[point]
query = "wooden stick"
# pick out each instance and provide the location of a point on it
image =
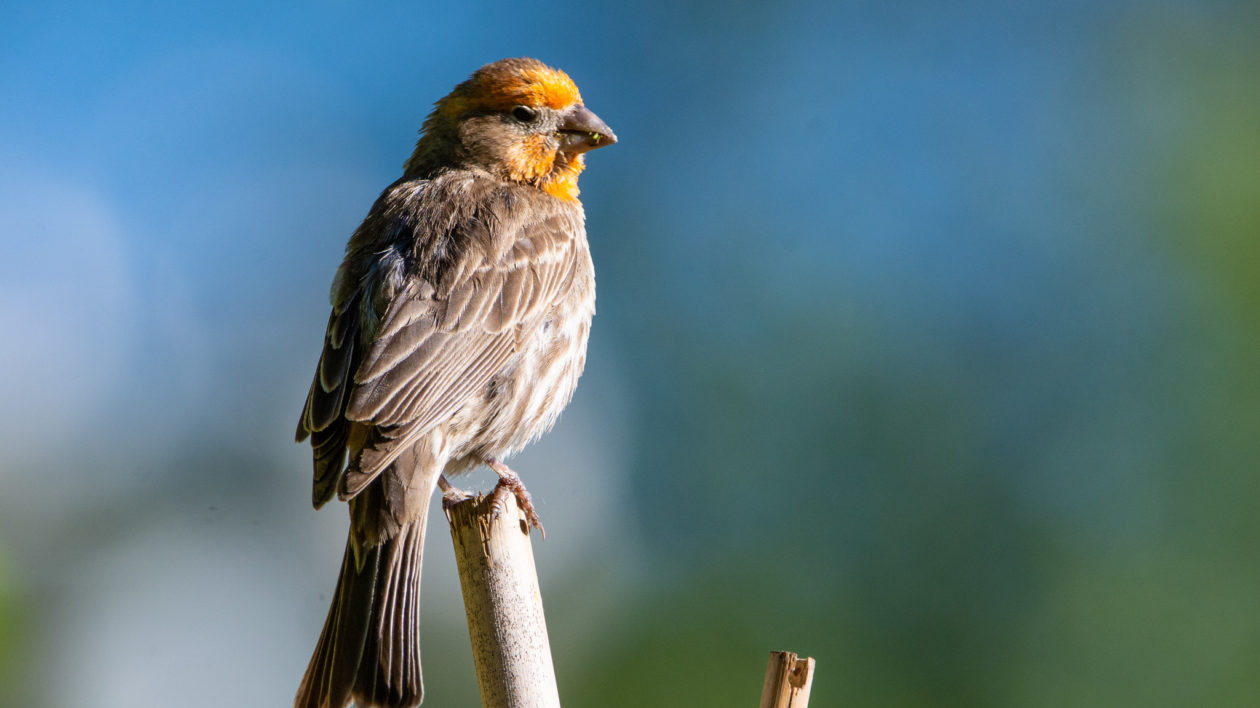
(788, 679)
(503, 604)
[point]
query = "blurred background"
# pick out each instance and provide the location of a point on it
(927, 345)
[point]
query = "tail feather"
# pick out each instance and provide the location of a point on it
(369, 650)
(390, 672)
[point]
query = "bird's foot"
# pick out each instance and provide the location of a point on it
(510, 483)
(451, 495)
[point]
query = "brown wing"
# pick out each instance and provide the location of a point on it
(322, 417)
(436, 347)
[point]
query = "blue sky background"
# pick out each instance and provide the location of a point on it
(926, 346)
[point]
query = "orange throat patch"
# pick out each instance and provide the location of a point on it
(534, 161)
(562, 180)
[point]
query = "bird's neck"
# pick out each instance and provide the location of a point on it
(554, 172)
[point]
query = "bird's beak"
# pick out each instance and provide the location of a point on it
(581, 130)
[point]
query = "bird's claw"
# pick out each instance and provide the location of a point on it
(451, 495)
(510, 483)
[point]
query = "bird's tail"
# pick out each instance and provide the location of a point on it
(369, 650)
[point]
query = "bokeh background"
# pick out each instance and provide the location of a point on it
(927, 345)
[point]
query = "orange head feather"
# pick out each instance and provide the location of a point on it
(499, 88)
(512, 82)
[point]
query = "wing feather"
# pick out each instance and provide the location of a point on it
(448, 327)
(322, 418)
(417, 374)
(325, 401)
(457, 303)
(409, 348)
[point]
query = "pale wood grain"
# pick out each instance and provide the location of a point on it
(788, 680)
(503, 604)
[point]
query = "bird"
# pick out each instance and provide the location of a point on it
(458, 331)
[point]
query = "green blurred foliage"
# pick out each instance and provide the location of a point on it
(824, 486)
(15, 633)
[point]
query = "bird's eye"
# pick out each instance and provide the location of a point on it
(525, 114)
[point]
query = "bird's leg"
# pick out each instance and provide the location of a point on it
(510, 482)
(450, 494)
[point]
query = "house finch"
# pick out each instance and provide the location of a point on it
(458, 332)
